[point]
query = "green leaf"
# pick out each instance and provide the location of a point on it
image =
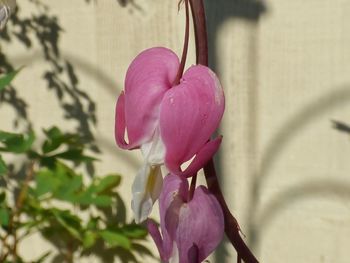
(75, 155)
(134, 231)
(6, 80)
(93, 223)
(2, 197)
(107, 183)
(89, 239)
(56, 138)
(4, 216)
(69, 187)
(16, 143)
(3, 168)
(90, 198)
(46, 182)
(102, 201)
(115, 239)
(69, 222)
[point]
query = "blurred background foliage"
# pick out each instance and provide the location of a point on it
(49, 186)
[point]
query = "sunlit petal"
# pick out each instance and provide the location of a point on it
(154, 150)
(196, 223)
(145, 191)
(190, 113)
(149, 76)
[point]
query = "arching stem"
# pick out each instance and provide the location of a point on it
(192, 187)
(232, 228)
(185, 47)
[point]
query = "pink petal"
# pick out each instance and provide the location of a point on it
(154, 232)
(201, 223)
(201, 158)
(174, 192)
(119, 130)
(149, 76)
(190, 113)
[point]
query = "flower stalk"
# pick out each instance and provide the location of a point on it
(232, 228)
(185, 47)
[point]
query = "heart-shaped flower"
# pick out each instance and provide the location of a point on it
(170, 123)
(190, 229)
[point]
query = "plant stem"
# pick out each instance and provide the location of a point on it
(185, 47)
(232, 228)
(14, 219)
(200, 31)
(192, 187)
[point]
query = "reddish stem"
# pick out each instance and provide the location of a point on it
(232, 228)
(185, 47)
(200, 31)
(192, 187)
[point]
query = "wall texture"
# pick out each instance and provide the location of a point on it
(285, 68)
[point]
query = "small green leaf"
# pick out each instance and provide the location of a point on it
(55, 138)
(69, 222)
(6, 80)
(90, 198)
(102, 201)
(107, 183)
(89, 239)
(3, 168)
(46, 182)
(93, 223)
(115, 239)
(69, 187)
(16, 143)
(75, 155)
(2, 197)
(4, 216)
(134, 231)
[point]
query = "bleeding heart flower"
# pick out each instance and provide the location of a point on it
(170, 123)
(190, 229)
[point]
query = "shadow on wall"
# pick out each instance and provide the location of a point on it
(218, 12)
(321, 105)
(42, 29)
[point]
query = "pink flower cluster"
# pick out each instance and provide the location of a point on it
(172, 124)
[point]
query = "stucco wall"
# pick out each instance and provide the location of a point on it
(285, 68)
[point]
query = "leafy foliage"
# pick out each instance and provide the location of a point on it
(78, 214)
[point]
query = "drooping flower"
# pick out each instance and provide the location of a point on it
(170, 123)
(190, 229)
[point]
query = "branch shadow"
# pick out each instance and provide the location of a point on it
(218, 12)
(298, 193)
(60, 76)
(279, 143)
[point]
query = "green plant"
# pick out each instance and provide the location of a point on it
(44, 193)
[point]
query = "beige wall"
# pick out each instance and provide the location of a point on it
(285, 68)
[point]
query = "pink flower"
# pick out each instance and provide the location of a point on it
(170, 123)
(190, 230)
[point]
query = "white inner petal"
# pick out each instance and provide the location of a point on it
(146, 190)
(174, 258)
(154, 151)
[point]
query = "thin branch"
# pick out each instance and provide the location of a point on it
(14, 219)
(185, 47)
(232, 228)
